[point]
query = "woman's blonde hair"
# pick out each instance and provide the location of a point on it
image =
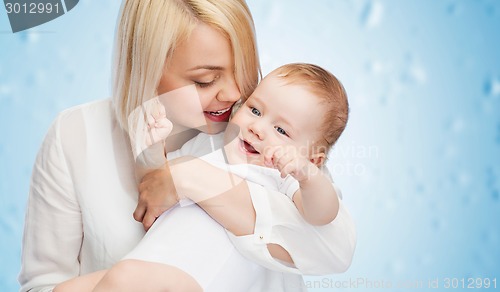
(149, 31)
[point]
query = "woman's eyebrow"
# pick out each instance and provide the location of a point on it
(207, 67)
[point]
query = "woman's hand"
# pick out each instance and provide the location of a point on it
(157, 194)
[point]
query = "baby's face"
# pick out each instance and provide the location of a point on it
(276, 114)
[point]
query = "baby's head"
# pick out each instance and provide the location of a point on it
(297, 104)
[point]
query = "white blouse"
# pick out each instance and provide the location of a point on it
(83, 193)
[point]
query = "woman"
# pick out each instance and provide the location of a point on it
(84, 189)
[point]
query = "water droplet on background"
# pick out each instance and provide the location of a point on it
(492, 181)
(33, 37)
(456, 125)
(420, 188)
(426, 260)
(495, 195)
(450, 151)
(454, 9)
(492, 87)
(397, 266)
(375, 67)
(490, 9)
(22, 36)
(498, 134)
(5, 89)
(414, 74)
(436, 224)
(372, 14)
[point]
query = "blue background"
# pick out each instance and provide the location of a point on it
(419, 163)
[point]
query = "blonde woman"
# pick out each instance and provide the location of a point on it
(84, 189)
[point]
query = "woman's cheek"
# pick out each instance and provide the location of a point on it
(207, 96)
(183, 107)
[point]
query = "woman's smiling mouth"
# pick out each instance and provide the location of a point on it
(219, 116)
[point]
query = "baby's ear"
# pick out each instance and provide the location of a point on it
(318, 159)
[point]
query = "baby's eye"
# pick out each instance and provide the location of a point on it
(281, 131)
(255, 111)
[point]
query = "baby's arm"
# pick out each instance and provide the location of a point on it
(246, 211)
(316, 198)
(212, 192)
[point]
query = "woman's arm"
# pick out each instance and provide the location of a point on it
(53, 226)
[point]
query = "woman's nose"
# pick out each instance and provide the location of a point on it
(229, 92)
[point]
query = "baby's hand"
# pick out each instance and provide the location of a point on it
(158, 126)
(148, 127)
(289, 161)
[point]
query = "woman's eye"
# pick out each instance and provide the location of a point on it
(204, 84)
(281, 131)
(201, 84)
(255, 111)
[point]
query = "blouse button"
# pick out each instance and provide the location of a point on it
(261, 237)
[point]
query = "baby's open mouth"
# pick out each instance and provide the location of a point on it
(249, 148)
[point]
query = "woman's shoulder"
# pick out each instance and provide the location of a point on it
(97, 107)
(98, 113)
(86, 119)
(85, 131)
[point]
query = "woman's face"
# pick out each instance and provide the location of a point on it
(198, 88)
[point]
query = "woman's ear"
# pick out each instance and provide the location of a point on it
(318, 159)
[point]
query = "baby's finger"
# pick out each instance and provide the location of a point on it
(280, 158)
(283, 159)
(288, 169)
(164, 125)
(150, 120)
(269, 153)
